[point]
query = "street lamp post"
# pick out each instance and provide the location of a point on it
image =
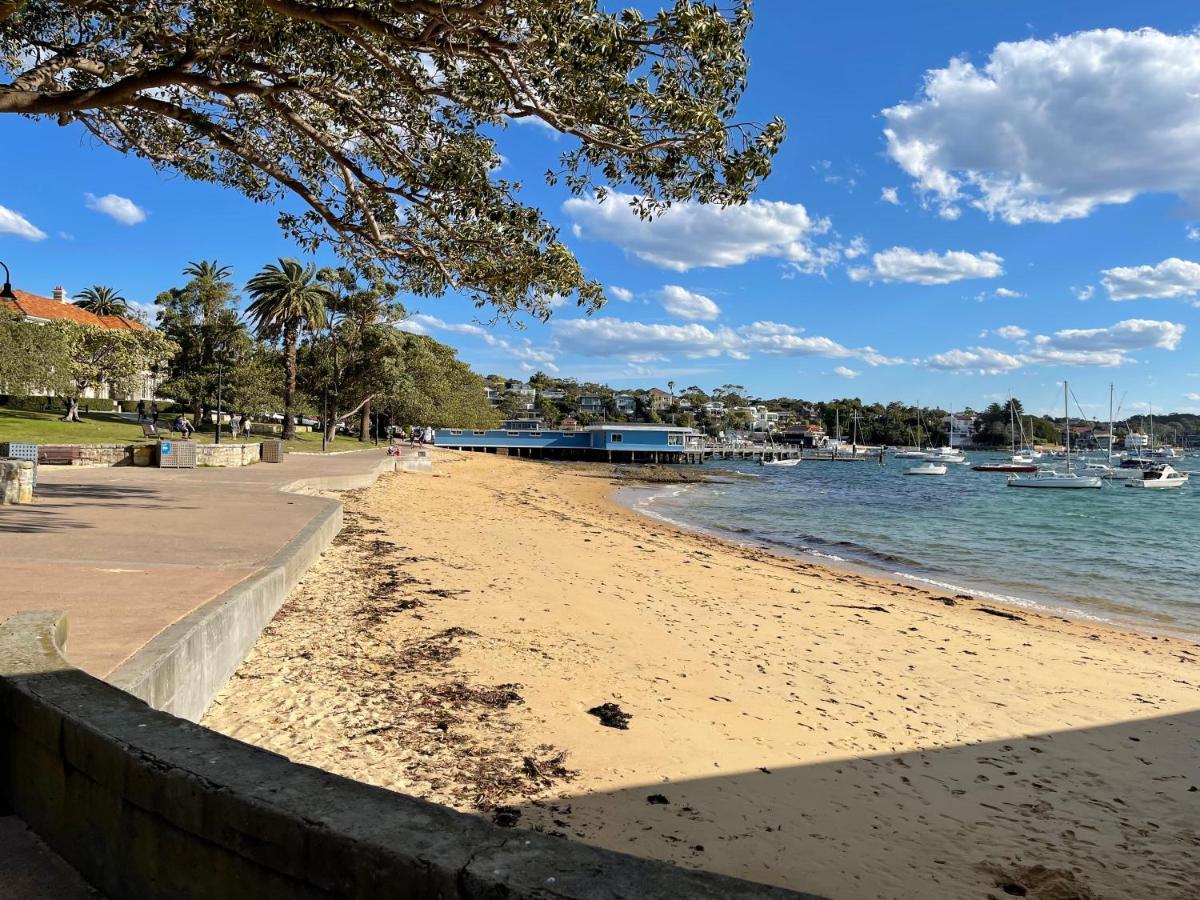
(219, 374)
(7, 292)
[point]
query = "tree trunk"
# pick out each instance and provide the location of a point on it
(291, 334)
(364, 421)
(72, 413)
(330, 425)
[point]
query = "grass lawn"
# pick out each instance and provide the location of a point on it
(25, 426)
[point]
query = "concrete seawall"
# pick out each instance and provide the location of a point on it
(181, 669)
(146, 805)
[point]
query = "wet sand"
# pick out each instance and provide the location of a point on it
(790, 723)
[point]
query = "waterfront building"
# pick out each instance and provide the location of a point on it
(624, 442)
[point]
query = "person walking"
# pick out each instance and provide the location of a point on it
(244, 422)
(233, 427)
(154, 413)
(141, 411)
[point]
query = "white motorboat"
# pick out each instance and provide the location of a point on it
(780, 462)
(1068, 480)
(926, 468)
(910, 454)
(1159, 477)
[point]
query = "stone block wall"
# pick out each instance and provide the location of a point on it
(228, 455)
(103, 455)
(16, 481)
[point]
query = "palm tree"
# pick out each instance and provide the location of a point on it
(208, 270)
(102, 301)
(287, 297)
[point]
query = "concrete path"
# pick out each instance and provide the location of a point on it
(128, 551)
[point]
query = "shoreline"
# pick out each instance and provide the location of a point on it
(791, 724)
(865, 570)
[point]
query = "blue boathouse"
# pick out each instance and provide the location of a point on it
(609, 443)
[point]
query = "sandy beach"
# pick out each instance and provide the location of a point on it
(788, 723)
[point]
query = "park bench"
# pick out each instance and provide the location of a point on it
(52, 455)
(149, 430)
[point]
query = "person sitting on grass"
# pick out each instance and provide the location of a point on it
(183, 426)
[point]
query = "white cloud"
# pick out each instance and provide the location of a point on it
(1130, 334)
(524, 350)
(1006, 293)
(122, 209)
(1011, 332)
(686, 304)
(1047, 130)
(930, 267)
(12, 222)
(695, 235)
(1106, 347)
(641, 342)
(1194, 397)
(856, 248)
(981, 360)
(623, 294)
(1193, 233)
(1084, 293)
(421, 323)
(889, 195)
(844, 372)
(1169, 279)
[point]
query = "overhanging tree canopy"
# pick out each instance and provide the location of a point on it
(375, 114)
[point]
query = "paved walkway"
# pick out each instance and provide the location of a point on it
(128, 551)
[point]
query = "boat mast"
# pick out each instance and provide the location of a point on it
(1012, 428)
(1067, 412)
(1110, 422)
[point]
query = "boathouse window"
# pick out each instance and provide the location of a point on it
(617, 437)
(535, 434)
(479, 433)
(514, 434)
(674, 440)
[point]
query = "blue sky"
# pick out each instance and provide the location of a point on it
(973, 199)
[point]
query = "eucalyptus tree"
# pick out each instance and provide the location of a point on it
(202, 318)
(381, 118)
(287, 298)
(101, 300)
(352, 360)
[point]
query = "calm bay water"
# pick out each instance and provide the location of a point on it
(1118, 555)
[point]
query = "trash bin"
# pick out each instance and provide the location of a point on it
(177, 454)
(14, 450)
(272, 451)
(143, 455)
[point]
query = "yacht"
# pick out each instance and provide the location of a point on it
(944, 455)
(926, 468)
(1061, 480)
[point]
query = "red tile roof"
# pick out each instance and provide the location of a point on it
(36, 307)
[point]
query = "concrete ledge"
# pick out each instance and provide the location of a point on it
(183, 667)
(146, 805)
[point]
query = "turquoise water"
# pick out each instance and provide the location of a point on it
(1117, 555)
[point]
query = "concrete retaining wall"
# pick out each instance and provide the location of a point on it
(16, 481)
(185, 665)
(149, 806)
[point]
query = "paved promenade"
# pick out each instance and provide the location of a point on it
(128, 551)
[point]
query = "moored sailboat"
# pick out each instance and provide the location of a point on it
(1061, 480)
